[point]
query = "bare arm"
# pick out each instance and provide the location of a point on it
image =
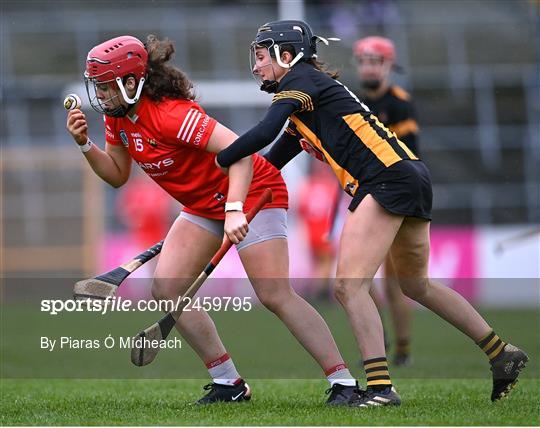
(112, 165)
(241, 172)
(240, 175)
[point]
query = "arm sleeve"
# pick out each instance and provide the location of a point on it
(284, 149)
(298, 90)
(111, 135)
(257, 137)
(188, 125)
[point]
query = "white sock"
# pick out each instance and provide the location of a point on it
(340, 374)
(223, 371)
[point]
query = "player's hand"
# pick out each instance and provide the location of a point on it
(77, 126)
(236, 226)
(223, 170)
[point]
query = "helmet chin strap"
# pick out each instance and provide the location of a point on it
(124, 93)
(283, 64)
(119, 111)
(269, 86)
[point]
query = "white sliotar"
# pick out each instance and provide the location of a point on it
(72, 101)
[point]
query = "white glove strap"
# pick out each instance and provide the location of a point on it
(87, 146)
(234, 206)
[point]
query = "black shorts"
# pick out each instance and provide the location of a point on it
(403, 189)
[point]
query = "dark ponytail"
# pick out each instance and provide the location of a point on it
(323, 67)
(319, 65)
(164, 80)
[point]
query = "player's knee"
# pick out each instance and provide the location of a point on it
(410, 265)
(274, 300)
(413, 281)
(157, 293)
(344, 288)
(161, 290)
(270, 303)
(415, 288)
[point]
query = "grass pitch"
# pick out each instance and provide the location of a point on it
(449, 383)
(275, 402)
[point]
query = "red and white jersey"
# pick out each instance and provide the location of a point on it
(168, 139)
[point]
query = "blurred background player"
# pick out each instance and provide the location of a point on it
(145, 209)
(375, 58)
(318, 201)
(147, 212)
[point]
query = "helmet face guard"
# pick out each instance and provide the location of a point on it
(113, 62)
(373, 70)
(105, 98)
(269, 85)
(272, 36)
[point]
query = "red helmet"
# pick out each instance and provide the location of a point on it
(375, 46)
(112, 61)
(117, 57)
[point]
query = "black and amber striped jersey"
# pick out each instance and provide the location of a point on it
(331, 122)
(396, 111)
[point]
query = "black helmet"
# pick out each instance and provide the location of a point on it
(295, 34)
(298, 34)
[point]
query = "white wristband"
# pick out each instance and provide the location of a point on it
(87, 146)
(234, 206)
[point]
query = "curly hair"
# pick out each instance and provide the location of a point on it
(164, 80)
